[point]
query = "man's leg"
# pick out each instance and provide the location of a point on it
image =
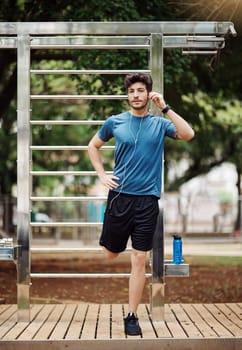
(137, 279)
(110, 255)
(136, 286)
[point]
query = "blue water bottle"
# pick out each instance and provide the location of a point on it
(177, 250)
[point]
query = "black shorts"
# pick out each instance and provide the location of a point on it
(129, 216)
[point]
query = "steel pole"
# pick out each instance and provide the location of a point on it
(23, 160)
(157, 284)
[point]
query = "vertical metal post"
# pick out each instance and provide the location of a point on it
(158, 283)
(23, 193)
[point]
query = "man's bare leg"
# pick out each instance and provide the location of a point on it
(137, 279)
(110, 255)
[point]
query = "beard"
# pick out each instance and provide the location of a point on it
(140, 107)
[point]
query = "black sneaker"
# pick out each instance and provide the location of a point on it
(131, 325)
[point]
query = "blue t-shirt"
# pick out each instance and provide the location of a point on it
(139, 144)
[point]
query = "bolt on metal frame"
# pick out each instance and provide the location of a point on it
(192, 37)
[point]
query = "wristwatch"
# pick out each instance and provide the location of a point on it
(166, 109)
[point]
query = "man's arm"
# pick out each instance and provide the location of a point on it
(95, 156)
(183, 130)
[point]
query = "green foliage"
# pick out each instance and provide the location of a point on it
(81, 10)
(207, 95)
(214, 260)
(217, 122)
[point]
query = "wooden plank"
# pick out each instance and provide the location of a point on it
(145, 323)
(3, 307)
(161, 329)
(11, 320)
(230, 314)
(117, 324)
(224, 320)
(50, 323)
(95, 323)
(89, 327)
(19, 327)
(36, 324)
(7, 312)
(185, 322)
(198, 321)
(207, 315)
(236, 309)
(76, 325)
(63, 324)
(104, 322)
(139, 344)
(173, 325)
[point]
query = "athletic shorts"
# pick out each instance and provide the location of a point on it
(129, 216)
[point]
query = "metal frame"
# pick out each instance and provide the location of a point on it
(23, 180)
(117, 28)
(194, 37)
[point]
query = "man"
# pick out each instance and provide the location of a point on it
(135, 186)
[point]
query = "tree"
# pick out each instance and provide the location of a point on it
(219, 109)
(61, 10)
(185, 73)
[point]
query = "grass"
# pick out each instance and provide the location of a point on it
(214, 260)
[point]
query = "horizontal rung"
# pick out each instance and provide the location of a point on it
(167, 44)
(78, 97)
(205, 39)
(182, 41)
(67, 250)
(206, 44)
(90, 47)
(66, 173)
(63, 250)
(66, 224)
(82, 275)
(90, 40)
(66, 122)
(174, 41)
(199, 52)
(125, 42)
(8, 43)
(181, 270)
(68, 198)
(86, 71)
(62, 148)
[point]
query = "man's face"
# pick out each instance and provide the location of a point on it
(137, 96)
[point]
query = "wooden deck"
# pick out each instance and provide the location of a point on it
(93, 326)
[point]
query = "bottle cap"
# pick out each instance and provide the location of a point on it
(177, 237)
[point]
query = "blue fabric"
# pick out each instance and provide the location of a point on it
(139, 144)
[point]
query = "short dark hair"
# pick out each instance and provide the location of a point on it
(144, 78)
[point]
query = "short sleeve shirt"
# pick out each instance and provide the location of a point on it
(138, 155)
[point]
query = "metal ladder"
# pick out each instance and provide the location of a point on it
(192, 37)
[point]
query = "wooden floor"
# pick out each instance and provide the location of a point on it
(93, 326)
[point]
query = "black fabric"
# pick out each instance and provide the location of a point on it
(129, 216)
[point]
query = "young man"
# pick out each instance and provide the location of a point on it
(135, 186)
